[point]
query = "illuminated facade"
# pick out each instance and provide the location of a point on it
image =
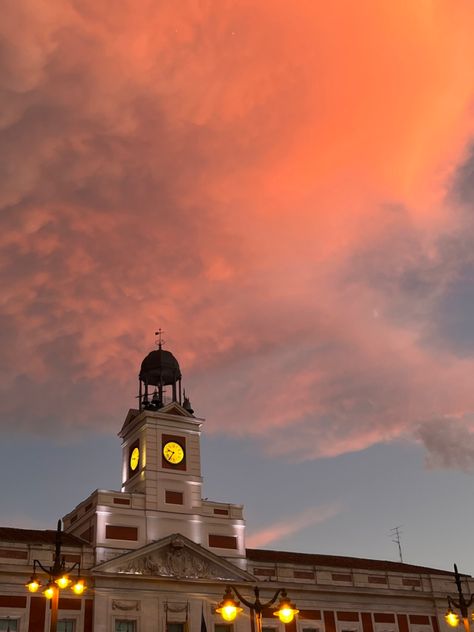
(157, 556)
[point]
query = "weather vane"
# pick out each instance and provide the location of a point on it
(159, 341)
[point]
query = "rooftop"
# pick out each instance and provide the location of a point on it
(37, 536)
(315, 559)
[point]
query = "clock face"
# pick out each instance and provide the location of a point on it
(134, 459)
(173, 452)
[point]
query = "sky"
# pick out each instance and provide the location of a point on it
(287, 190)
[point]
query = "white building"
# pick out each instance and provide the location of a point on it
(157, 556)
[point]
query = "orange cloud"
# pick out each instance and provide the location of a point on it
(270, 184)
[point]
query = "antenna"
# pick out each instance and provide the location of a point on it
(159, 341)
(395, 534)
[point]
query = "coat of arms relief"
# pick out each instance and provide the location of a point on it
(176, 561)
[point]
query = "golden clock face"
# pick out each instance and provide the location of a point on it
(173, 452)
(134, 459)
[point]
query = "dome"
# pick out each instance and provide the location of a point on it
(160, 367)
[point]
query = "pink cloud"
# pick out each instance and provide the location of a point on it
(284, 528)
(258, 181)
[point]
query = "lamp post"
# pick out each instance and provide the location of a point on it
(461, 603)
(229, 607)
(58, 578)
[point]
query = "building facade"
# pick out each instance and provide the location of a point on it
(157, 556)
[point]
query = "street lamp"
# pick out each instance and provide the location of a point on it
(58, 578)
(462, 603)
(229, 607)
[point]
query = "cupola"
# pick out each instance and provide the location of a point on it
(159, 371)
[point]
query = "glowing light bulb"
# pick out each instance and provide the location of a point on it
(286, 610)
(228, 608)
(451, 618)
(33, 584)
(49, 591)
(286, 615)
(228, 612)
(79, 587)
(63, 581)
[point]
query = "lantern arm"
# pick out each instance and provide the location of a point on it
(46, 570)
(62, 570)
(74, 566)
(257, 605)
(452, 603)
(246, 602)
(57, 569)
(463, 605)
(273, 599)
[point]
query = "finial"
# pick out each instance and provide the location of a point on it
(187, 404)
(160, 340)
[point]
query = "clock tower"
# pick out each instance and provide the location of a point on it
(161, 440)
(161, 490)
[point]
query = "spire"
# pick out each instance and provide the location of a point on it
(160, 340)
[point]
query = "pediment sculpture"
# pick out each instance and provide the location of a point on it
(175, 561)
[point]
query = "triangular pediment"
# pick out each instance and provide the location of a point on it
(173, 408)
(132, 413)
(174, 557)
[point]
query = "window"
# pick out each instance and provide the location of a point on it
(267, 628)
(8, 625)
(173, 498)
(303, 574)
(114, 532)
(125, 625)
(309, 629)
(66, 625)
(222, 627)
(175, 627)
(223, 541)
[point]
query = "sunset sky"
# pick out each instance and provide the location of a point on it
(287, 189)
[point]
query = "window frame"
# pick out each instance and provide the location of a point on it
(304, 627)
(349, 626)
(125, 618)
(66, 615)
(69, 619)
(17, 614)
(9, 619)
